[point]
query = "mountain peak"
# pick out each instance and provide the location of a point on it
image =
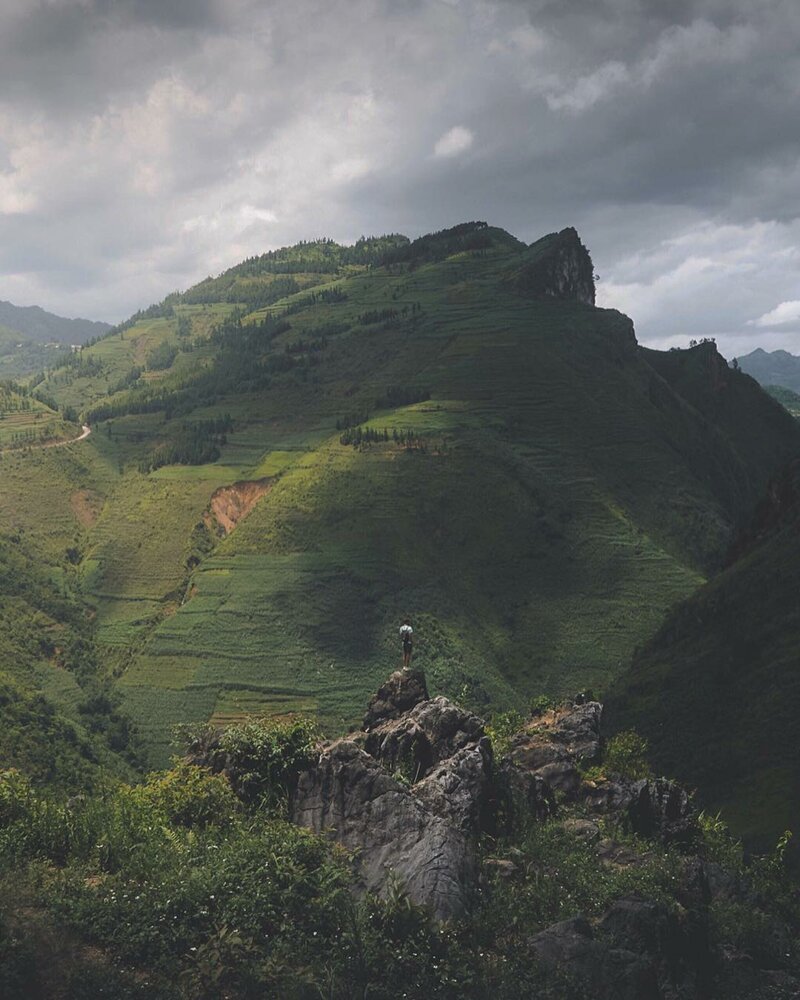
(556, 266)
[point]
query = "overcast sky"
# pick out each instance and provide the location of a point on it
(147, 143)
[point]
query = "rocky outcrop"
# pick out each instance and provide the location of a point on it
(461, 789)
(397, 695)
(554, 744)
(556, 266)
(656, 808)
(410, 794)
(392, 832)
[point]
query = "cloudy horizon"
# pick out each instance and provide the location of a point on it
(147, 143)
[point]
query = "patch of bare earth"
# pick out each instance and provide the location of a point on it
(230, 504)
(86, 506)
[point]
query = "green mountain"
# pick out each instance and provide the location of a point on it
(786, 397)
(289, 458)
(716, 691)
(36, 324)
(773, 368)
(20, 357)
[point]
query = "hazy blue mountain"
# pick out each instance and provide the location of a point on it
(773, 368)
(35, 323)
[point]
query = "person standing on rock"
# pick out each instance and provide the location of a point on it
(407, 636)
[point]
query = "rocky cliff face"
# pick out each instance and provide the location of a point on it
(411, 793)
(557, 266)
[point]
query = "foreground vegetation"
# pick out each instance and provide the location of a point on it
(181, 888)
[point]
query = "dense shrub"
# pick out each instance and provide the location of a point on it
(262, 757)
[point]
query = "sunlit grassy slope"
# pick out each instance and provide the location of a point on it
(543, 492)
(26, 421)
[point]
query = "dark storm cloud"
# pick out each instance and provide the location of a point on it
(145, 143)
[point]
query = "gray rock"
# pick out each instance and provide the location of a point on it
(447, 726)
(652, 807)
(398, 694)
(607, 796)
(428, 733)
(578, 730)
(555, 743)
(524, 795)
(392, 830)
(661, 809)
(401, 745)
(461, 790)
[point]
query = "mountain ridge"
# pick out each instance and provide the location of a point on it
(36, 324)
(778, 368)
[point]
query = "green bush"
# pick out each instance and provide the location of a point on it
(189, 796)
(15, 796)
(502, 728)
(626, 756)
(262, 757)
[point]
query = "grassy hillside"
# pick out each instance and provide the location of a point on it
(717, 692)
(58, 720)
(787, 398)
(445, 429)
(20, 357)
(26, 421)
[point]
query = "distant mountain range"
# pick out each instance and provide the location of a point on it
(36, 324)
(773, 368)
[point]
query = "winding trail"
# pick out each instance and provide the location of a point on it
(86, 430)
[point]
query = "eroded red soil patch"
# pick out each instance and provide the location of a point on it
(230, 504)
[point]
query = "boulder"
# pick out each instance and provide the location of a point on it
(397, 695)
(570, 948)
(392, 831)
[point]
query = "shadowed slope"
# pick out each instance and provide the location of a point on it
(717, 691)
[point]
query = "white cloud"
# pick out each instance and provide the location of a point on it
(703, 281)
(782, 315)
(456, 140)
